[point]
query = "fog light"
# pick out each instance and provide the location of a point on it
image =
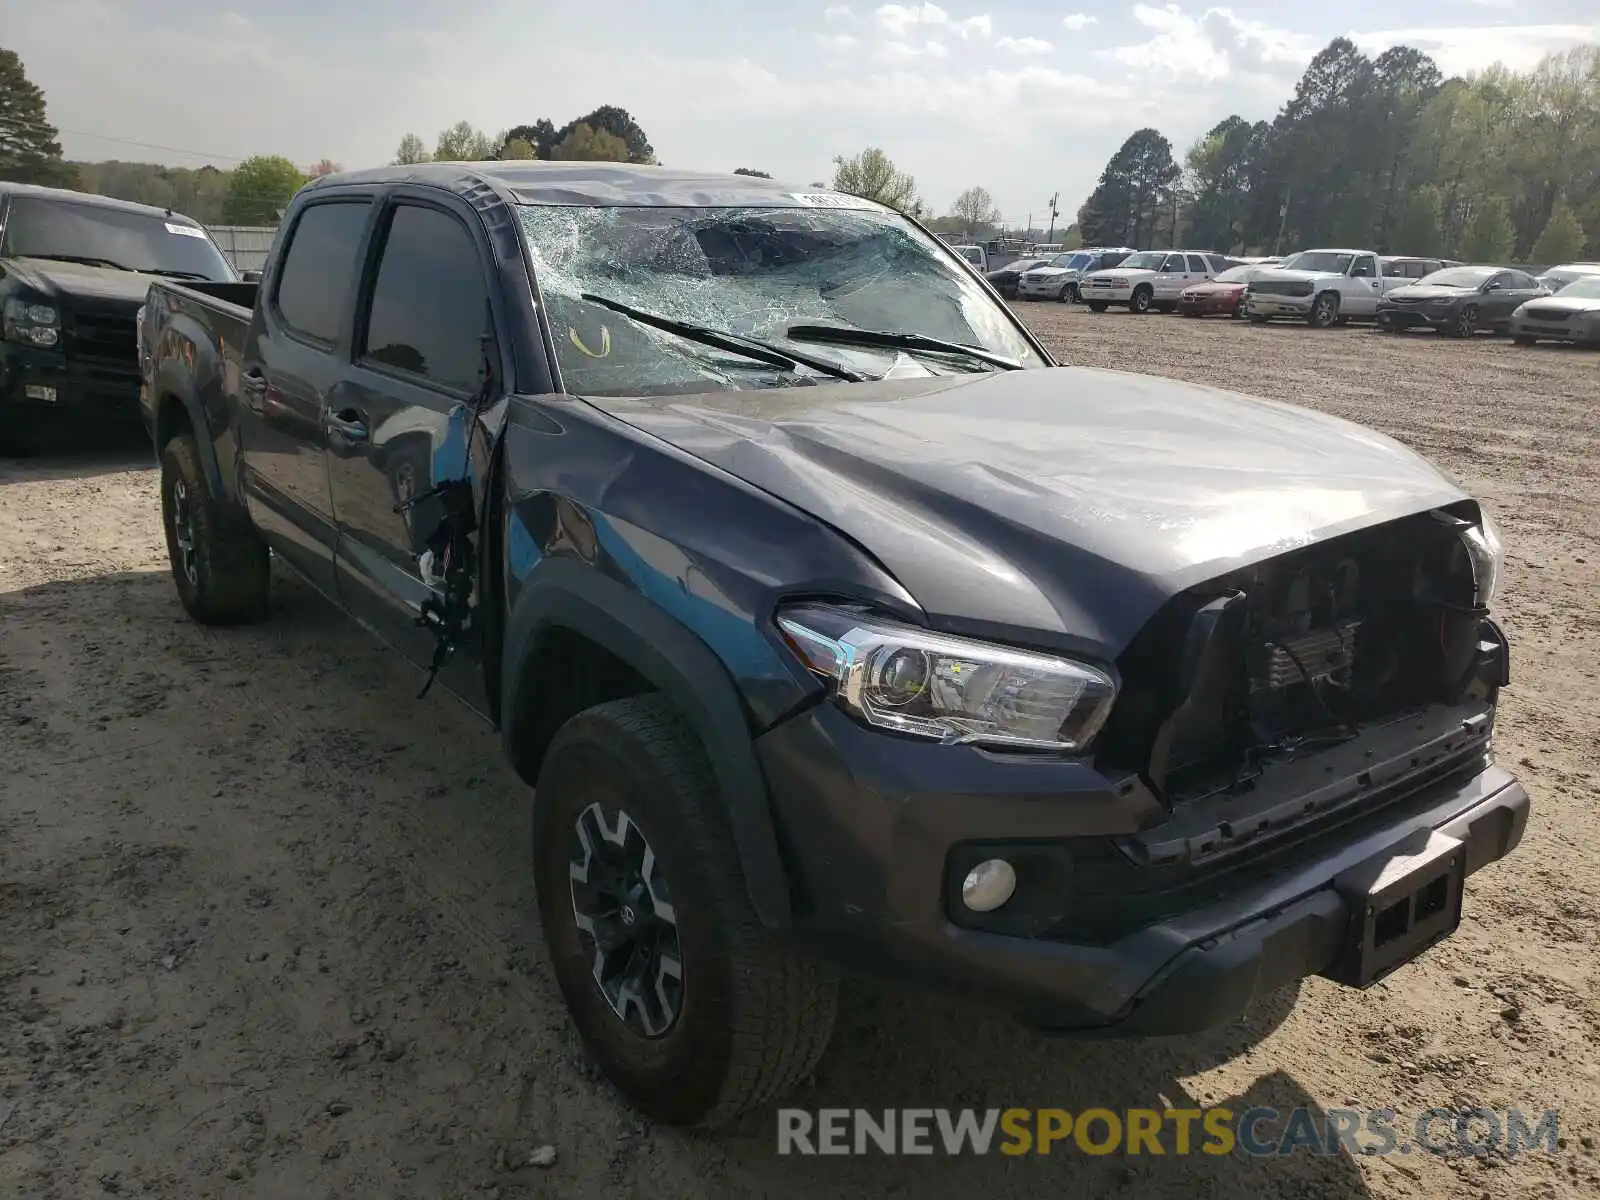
(37, 391)
(988, 885)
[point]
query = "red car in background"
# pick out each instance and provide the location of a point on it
(1220, 295)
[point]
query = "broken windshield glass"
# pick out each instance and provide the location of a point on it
(753, 273)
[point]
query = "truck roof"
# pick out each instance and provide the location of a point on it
(66, 194)
(536, 181)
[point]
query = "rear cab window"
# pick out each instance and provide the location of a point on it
(319, 267)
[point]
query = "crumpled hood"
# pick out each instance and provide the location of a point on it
(1044, 272)
(1066, 504)
(70, 281)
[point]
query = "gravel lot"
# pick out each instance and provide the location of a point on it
(266, 918)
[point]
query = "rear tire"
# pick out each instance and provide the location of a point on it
(1522, 339)
(219, 562)
(1097, 306)
(749, 1018)
(1256, 319)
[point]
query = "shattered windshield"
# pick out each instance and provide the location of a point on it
(753, 273)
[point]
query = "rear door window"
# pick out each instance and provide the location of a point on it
(1197, 264)
(319, 268)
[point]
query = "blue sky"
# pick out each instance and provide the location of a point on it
(1024, 97)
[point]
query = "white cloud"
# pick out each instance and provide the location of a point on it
(1026, 47)
(1459, 50)
(1077, 22)
(906, 52)
(1212, 47)
(981, 26)
(839, 14)
(839, 43)
(897, 20)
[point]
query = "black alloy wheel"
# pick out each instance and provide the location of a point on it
(624, 915)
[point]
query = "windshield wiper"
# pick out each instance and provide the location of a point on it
(839, 335)
(734, 343)
(163, 271)
(79, 258)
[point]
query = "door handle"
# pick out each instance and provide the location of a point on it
(347, 431)
(253, 387)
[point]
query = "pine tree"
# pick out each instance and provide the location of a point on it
(1562, 239)
(29, 152)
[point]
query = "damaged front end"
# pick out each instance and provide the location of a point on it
(1316, 680)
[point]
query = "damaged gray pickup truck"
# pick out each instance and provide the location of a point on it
(836, 627)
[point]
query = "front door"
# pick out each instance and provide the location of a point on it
(400, 422)
(1366, 287)
(294, 358)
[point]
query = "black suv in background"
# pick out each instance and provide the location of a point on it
(74, 269)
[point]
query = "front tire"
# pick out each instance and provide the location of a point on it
(1142, 298)
(1069, 294)
(219, 562)
(1256, 318)
(1097, 306)
(1466, 322)
(1324, 311)
(1522, 339)
(627, 801)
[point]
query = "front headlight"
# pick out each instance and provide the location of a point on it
(1117, 281)
(1487, 554)
(35, 324)
(949, 689)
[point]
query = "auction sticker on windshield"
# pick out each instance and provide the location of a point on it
(831, 200)
(185, 230)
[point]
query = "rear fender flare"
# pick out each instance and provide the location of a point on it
(565, 593)
(174, 381)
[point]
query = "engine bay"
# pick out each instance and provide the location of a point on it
(1277, 660)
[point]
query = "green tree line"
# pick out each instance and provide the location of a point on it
(1382, 153)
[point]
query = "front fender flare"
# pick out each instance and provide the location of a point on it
(174, 380)
(565, 593)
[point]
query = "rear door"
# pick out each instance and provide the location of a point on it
(294, 358)
(400, 421)
(1515, 289)
(1172, 278)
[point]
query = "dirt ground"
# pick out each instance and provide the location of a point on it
(265, 919)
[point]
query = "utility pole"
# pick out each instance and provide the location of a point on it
(1283, 219)
(1051, 236)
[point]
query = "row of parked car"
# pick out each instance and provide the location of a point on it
(1323, 288)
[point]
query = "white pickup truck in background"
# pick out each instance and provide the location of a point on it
(1321, 288)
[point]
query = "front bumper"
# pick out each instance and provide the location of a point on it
(1042, 289)
(41, 382)
(1100, 293)
(878, 833)
(1298, 307)
(1417, 318)
(1577, 332)
(1201, 306)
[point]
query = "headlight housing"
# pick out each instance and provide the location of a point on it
(31, 323)
(1487, 554)
(949, 689)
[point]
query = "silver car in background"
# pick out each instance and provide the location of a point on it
(1571, 315)
(1059, 279)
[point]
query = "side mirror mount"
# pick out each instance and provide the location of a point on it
(250, 276)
